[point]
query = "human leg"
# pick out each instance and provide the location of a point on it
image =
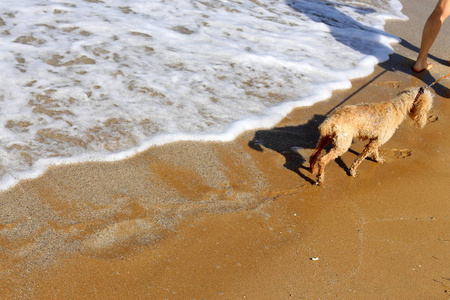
(430, 32)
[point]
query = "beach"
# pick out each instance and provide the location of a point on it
(243, 219)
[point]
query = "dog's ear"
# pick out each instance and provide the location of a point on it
(420, 109)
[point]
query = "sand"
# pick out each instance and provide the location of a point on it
(243, 219)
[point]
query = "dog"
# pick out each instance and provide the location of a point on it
(375, 122)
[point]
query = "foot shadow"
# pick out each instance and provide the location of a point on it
(288, 141)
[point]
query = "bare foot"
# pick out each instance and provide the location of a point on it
(419, 67)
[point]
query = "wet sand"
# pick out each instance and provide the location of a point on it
(244, 220)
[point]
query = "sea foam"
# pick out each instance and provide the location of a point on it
(103, 80)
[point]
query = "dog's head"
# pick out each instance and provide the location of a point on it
(418, 106)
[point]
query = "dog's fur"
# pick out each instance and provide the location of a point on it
(375, 122)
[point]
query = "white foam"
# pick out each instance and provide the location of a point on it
(103, 80)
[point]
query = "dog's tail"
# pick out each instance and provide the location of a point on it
(324, 140)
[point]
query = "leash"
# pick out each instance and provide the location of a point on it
(422, 89)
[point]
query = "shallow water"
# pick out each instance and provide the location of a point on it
(102, 80)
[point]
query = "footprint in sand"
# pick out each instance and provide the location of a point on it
(433, 118)
(393, 84)
(397, 153)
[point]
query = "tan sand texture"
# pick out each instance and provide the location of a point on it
(244, 220)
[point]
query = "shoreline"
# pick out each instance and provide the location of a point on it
(243, 219)
(270, 118)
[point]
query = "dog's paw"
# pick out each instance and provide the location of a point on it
(319, 180)
(380, 160)
(352, 172)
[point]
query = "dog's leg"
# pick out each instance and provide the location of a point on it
(370, 149)
(340, 146)
(375, 155)
(324, 140)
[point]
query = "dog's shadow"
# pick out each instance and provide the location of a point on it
(289, 141)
